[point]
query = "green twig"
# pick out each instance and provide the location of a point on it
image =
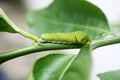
(17, 29)
(104, 42)
(44, 47)
(35, 48)
(30, 36)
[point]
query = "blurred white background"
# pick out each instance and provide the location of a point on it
(104, 59)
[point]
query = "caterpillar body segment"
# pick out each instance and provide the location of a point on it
(78, 37)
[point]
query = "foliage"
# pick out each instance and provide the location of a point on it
(69, 16)
(62, 16)
(112, 75)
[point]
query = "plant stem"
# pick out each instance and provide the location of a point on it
(27, 35)
(35, 48)
(17, 29)
(105, 42)
(44, 47)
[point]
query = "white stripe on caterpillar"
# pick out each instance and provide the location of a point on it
(78, 37)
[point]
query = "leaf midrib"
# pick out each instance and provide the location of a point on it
(62, 74)
(78, 25)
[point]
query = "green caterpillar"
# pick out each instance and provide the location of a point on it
(78, 37)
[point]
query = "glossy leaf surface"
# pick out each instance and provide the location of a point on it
(50, 67)
(81, 67)
(63, 66)
(69, 16)
(112, 75)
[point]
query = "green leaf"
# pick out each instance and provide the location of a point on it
(63, 66)
(50, 67)
(81, 67)
(116, 29)
(6, 25)
(69, 16)
(112, 75)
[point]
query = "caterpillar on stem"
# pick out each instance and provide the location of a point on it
(78, 37)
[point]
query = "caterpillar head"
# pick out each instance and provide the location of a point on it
(82, 38)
